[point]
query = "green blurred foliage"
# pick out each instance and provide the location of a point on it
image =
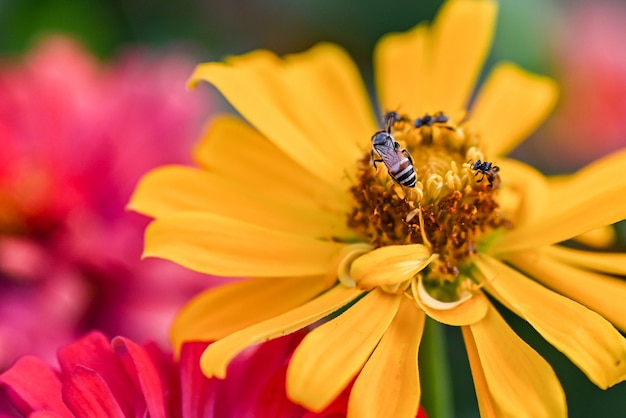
(219, 28)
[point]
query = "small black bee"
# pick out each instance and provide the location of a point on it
(428, 120)
(398, 161)
(392, 117)
(487, 170)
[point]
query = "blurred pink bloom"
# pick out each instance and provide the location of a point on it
(75, 135)
(98, 378)
(591, 66)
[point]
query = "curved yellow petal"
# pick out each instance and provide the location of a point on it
(289, 101)
(390, 265)
(606, 173)
(388, 385)
(170, 189)
(510, 106)
(218, 312)
(402, 71)
(593, 198)
(216, 357)
(219, 245)
(331, 355)
(344, 261)
(486, 404)
(430, 69)
(466, 312)
(602, 237)
(511, 379)
(601, 293)
(524, 191)
(230, 147)
(461, 38)
(338, 111)
(611, 263)
(257, 93)
(590, 341)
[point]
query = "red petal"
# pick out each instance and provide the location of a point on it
(169, 371)
(34, 386)
(198, 392)
(421, 413)
(337, 409)
(273, 401)
(143, 373)
(251, 371)
(87, 394)
(94, 352)
(39, 414)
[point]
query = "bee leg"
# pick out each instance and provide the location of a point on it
(408, 155)
(374, 160)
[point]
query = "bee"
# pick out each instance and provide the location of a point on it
(488, 170)
(428, 120)
(398, 161)
(391, 118)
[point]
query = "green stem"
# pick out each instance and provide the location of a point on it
(435, 379)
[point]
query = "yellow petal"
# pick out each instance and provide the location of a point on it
(510, 106)
(259, 103)
(331, 355)
(172, 189)
(338, 110)
(467, 311)
(601, 293)
(524, 192)
(269, 93)
(612, 263)
(592, 198)
(233, 149)
(390, 265)
(218, 312)
(344, 260)
(606, 173)
(434, 69)
(402, 72)
(511, 379)
(388, 385)
(590, 341)
(216, 357)
(461, 38)
(602, 237)
(219, 245)
(486, 405)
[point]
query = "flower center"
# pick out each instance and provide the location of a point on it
(449, 204)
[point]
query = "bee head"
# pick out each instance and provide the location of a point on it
(382, 138)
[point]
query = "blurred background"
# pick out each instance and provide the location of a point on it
(143, 50)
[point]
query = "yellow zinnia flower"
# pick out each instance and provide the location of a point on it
(293, 200)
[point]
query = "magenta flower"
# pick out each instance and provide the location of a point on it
(76, 135)
(589, 121)
(98, 378)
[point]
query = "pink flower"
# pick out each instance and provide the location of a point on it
(589, 121)
(75, 137)
(123, 379)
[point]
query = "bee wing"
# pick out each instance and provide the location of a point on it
(390, 157)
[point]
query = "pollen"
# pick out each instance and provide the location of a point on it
(452, 207)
